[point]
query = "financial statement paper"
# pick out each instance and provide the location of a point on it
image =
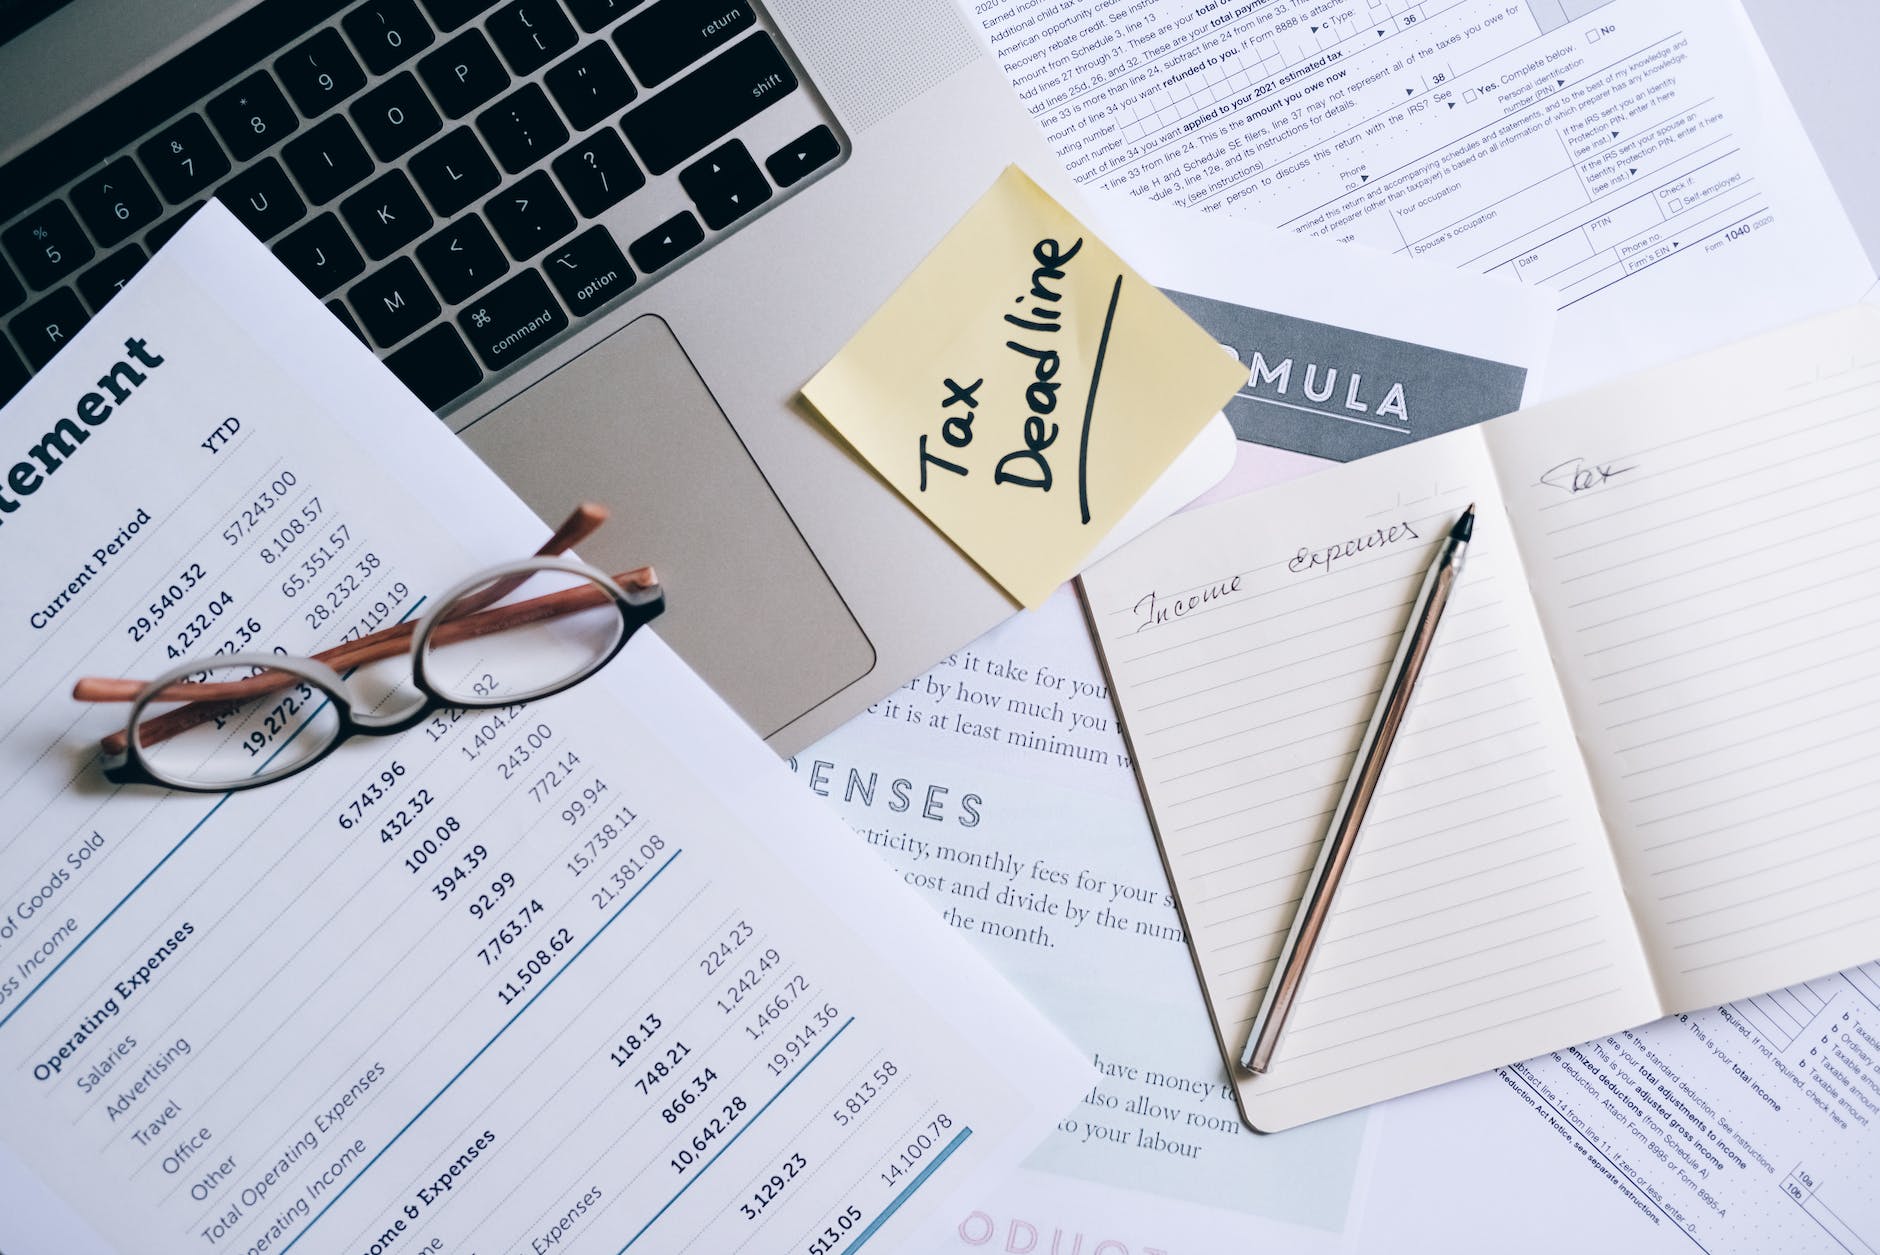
(587, 974)
(1638, 160)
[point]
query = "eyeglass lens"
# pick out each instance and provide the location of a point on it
(528, 658)
(229, 743)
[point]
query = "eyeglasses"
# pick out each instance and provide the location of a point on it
(511, 634)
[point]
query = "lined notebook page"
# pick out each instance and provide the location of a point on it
(1703, 547)
(1481, 919)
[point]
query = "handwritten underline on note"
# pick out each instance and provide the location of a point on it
(1090, 404)
(1306, 409)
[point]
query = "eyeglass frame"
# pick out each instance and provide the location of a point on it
(635, 594)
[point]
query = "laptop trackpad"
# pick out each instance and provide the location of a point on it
(630, 424)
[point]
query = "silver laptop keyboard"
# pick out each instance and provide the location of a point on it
(463, 182)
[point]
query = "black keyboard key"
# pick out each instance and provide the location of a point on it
(13, 372)
(320, 73)
(104, 280)
(183, 158)
(666, 243)
(522, 128)
(339, 311)
(450, 14)
(385, 214)
(529, 215)
(462, 260)
(531, 33)
(252, 115)
(234, 48)
(161, 233)
(804, 155)
(674, 33)
(321, 255)
(463, 74)
(395, 117)
(725, 184)
(12, 292)
(393, 303)
(598, 173)
(263, 199)
(709, 103)
(47, 245)
(454, 171)
(595, 14)
(43, 327)
(436, 366)
(115, 202)
(386, 32)
(512, 319)
(327, 160)
(590, 86)
(588, 271)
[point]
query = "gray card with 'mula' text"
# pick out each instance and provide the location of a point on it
(1335, 393)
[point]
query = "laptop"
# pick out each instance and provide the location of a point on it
(606, 240)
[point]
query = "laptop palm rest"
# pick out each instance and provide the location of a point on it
(630, 424)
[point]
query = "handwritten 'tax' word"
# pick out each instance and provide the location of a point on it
(1027, 467)
(1578, 476)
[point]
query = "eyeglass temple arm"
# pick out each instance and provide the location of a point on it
(583, 521)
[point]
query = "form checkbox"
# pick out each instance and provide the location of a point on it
(1592, 36)
(1468, 97)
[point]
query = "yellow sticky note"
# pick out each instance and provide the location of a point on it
(1024, 387)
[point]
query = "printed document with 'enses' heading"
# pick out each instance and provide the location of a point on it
(587, 974)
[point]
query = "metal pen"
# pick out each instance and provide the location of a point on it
(1392, 703)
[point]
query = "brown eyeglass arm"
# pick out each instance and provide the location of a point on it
(581, 523)
(208, 701)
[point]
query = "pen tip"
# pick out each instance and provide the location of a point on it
(1465, 526)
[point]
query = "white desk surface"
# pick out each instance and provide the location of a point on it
(1823, 49)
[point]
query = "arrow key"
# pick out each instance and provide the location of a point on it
(725, 184)
(801, 156)
(462, 259)
(665, 243)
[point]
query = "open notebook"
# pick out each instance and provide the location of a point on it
(1639, 774)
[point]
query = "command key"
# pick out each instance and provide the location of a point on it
(512, 319)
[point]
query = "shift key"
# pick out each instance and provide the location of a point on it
(706, 105)
(511, 319)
